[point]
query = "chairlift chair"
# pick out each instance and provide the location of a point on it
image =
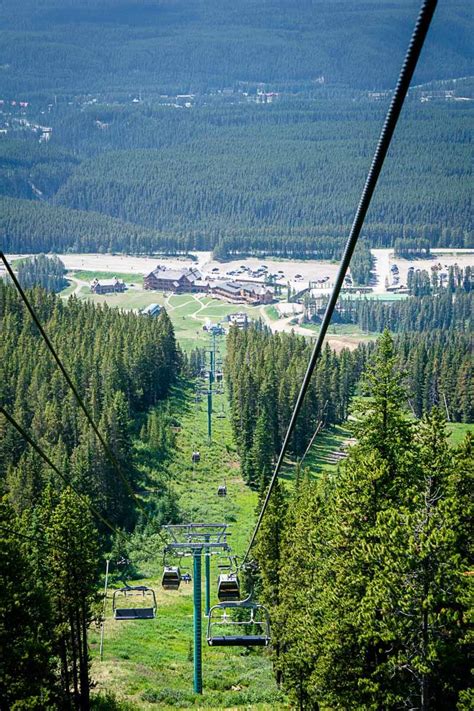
(171, 577)
(134, 593)
(225, 631)
(228, 587)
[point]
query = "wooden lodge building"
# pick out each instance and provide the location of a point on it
(107, 286)
(179, 281)
(243, 292)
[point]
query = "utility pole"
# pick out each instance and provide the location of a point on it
(197, 648)
(208, 577)
(102, 629)
(209, 395)
(209, 415)
(194, 538)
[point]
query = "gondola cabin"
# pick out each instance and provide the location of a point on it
(137, 602)
(228, 587)
(196, 457)
(222, 490)
(171, 578)
(238, 624)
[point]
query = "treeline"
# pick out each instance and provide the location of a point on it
(361, 264)
(280, 176)
(47, 602)
(417, 313)
(52, 528)
(122, 364)
(437, 369)
(421, 283)
(366, 572)
(244, 179)
(187, 46)
(27, 226)
(47, 272)
(264, 372)
(412, 248)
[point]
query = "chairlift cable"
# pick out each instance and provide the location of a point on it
(111, 456)
(51, 464)
(33, 539)
(406, 73)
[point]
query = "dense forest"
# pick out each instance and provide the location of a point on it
(41, 270)
(436, 368)
(242, 127)
(282, 179)
(366, 572)
(433, 304)
(122, 364)
(164, 46)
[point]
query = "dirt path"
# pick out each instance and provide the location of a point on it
(201, 307)
(79, 284)
(284, 325)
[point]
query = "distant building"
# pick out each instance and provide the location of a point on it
(243, 292)
(107, 286)
(239, 319)
(151, 310)
(180, 281)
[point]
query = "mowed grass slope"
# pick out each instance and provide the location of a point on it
(148, 663)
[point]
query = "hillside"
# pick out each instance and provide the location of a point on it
(190, 45)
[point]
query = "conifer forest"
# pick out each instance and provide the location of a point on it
(248, 487)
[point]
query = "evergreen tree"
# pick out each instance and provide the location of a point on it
(72, 586)
(26, 655)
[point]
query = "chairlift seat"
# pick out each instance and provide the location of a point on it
(171, 578)
(259, 617)
(134, 613)
(249, 640)
(228, 588)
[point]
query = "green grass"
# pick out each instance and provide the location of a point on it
(90, 276)
(342, 329)
(146, 663)
(188, 312)
(327, 441)
(272, 312)
(458, 430)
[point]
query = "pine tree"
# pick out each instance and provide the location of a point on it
(268, 551)
(26, 658)
(73, 560)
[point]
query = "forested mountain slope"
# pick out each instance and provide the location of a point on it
(122, 365)
(160, 45)
(283, 178)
